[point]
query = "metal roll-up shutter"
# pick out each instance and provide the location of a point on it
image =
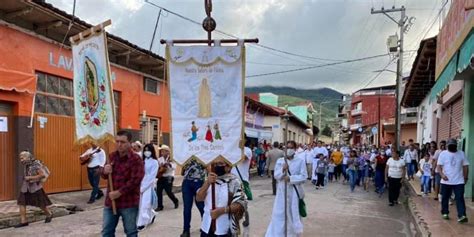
(443, 125)
(455, 123)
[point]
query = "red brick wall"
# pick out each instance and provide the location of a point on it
(370, 108)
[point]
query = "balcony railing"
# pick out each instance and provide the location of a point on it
(355, 126)
(356, 112)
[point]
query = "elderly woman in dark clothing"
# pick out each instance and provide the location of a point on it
(32, 193)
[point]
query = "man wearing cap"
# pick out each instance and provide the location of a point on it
(454, 171)
(165, 177)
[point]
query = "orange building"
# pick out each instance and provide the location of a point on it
(36, 100)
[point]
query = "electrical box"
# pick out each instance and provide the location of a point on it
(392, 43)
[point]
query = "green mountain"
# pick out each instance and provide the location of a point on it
(291, 96)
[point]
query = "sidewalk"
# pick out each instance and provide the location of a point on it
(63, 204)
(426, 212)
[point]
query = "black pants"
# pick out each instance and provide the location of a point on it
(274, 182)
(165, 183)
(320, 180)
(394, 186)
(337, 172)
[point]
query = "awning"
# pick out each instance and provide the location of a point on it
(19, 81)
(445, 78)
(466, 53)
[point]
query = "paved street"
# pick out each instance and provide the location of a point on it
(333, 211)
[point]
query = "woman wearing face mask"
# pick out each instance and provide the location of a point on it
(380, 163)
(230, 201)
(32, 193)
(293, 174)
(148, 197)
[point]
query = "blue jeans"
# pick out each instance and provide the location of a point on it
(344, 173)
(352, 178)
(261, 166)
(425, 182)
(446, 191)
(189, 189)
(129, 219)
(411, 169)
(94, 178)
(379, 180)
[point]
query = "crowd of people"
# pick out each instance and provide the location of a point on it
(139, 175)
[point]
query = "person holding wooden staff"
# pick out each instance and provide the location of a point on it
(127, 171)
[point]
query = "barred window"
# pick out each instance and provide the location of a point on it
(151, 85)
(54, 95)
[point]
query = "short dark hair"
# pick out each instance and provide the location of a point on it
(293, 143)
(276, 144)
(410, 140)
(126, 134)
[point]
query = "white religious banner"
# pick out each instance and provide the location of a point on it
(93, 97)
(206, 93)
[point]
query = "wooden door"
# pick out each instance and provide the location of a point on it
(7, 152)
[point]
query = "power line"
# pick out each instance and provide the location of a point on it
(317, 66)
(235, 37)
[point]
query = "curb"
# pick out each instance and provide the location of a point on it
(420, 223)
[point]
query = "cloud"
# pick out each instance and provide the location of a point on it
(331, 29)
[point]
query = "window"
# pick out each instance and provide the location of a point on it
(150, 130)
(358, 120)
(151, 85)
(54, 95)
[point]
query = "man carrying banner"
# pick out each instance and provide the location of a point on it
(127, 171)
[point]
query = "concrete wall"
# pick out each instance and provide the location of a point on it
(408, 132)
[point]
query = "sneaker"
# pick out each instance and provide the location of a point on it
(463, 219)
(140, 228)
(185, 234)
(445, 216)
(391, 204)
(90, 201)
(322, 187)
(48, 219)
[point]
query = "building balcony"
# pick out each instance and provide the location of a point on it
(355, 126)
(356, 112)
(404, 119)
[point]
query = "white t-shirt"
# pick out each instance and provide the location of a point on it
(453, 164)
(97, 159)
(309, 157)
(426, 167)
(409, 156)
(344, 160)
(244, 165)
(320, 150)
(395, 168)
(170, 172)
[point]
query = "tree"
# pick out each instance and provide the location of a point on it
(327, 131)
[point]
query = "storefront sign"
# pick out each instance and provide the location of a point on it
(457, 25)
(60, 62)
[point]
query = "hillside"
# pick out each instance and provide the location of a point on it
(288, 95)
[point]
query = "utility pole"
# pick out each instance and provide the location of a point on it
(401, 25)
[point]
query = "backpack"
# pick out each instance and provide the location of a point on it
(46, 172)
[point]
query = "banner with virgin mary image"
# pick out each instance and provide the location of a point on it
(93, 97)
(206, 90)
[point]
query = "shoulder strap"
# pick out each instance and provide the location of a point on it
(240, 175)
(294, 186)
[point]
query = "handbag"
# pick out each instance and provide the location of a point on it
(301, 203)
(246, 185)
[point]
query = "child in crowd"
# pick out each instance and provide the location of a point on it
(321, 171)
(426, 168)
(331, 169)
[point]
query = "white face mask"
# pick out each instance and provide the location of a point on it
(147, 153)
(290, 152)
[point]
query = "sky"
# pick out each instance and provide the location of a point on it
(320, 31)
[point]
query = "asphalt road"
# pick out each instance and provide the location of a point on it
(333, 211)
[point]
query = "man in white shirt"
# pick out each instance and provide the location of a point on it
(166, 174)
(410, 157)
(309, 161)
(94, 157)
(454, 171)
